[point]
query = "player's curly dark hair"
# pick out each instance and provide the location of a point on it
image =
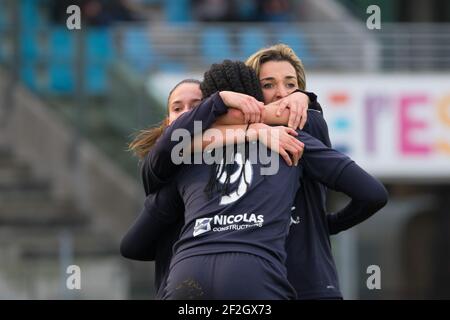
(229, 76)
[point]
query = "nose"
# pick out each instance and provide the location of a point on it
(281, 92)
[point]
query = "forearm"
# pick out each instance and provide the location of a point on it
(161, 210)
(139, 243)
(221, 135)
(367, 194)
(236, 117)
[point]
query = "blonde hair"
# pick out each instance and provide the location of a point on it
(278, 52)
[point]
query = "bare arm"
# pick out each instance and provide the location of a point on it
(236, 117)
(279, 139)
(290, 110)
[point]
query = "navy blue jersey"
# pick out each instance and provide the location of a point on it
(310, 263)
(222, 224)
(248, 219)
(253, 218)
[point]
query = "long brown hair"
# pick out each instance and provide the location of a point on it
(145, 139)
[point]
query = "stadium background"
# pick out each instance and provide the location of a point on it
(70, 99)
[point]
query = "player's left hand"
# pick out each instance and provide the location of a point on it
(297, 103)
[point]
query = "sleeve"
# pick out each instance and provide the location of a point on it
(368, 196)
(320, 162)
(162, 210)
(340, 173)
(317, 127)
(157, 166)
